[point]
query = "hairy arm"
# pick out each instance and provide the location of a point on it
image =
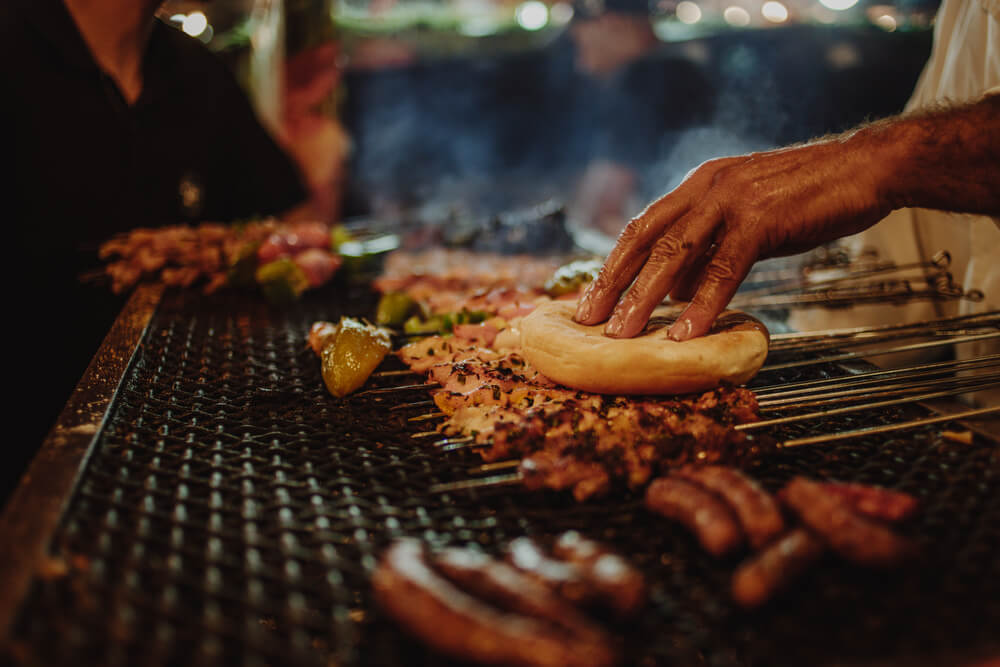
(699, 241)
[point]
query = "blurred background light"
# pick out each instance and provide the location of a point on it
(774, 11)
(532, 15)
(736, 16)
(194, 23)
(688, 12)
(838, 5)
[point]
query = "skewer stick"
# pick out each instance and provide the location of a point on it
(887, 428)
(875, 353)
(872, 377)
(481, 483)
(408, 406)
(493, 467)
(783, 340)
(462, 440)
(391, 390)
(393, 374)
(427, 417)
(866, 406)
(867, 393)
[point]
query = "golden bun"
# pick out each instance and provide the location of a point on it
(582, 357)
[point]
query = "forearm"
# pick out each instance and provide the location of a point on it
(947, 159)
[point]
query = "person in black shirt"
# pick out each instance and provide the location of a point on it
(113, 121)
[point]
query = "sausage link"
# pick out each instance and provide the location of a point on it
(457, 624)
(613, 580)
(756, 509)
(770, 570)
(703, 514)
(851, 535)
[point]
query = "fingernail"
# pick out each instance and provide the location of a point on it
(614, 326)
(680, 330)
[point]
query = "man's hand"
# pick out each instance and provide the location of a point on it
(698, 242)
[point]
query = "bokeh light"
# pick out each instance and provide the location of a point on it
(736, 16)
(774, 11)
(688, 12)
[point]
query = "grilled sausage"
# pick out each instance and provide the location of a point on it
(770, 570)
(853, 536)
(454, 622)
(703, 514)
(756, 509)
(613, 581)
(874, 501)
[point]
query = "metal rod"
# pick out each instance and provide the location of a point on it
(493, 467)
(853, 331)
(871, 339)
(393, 374)
(408, 406)
(461, 440)
(867, 393)
(391, 390)
(874, 353)
(940, 261)
(859, 408)
(887, 428)
(427, 417)
(871, 377)
(481, 483)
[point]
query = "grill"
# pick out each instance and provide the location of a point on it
(230, 512)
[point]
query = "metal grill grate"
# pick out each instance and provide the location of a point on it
(232, 512)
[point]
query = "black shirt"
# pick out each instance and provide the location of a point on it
(84, 165)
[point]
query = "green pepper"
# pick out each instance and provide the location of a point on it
(571, 277)
(338, 236)
(393, 308)
(416, 325)
(244, 265)
(281, 281)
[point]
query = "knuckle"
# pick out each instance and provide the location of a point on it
(667, 247)
(724, 269)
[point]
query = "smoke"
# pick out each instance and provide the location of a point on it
(478, 136)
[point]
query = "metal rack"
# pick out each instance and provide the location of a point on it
(226, 510)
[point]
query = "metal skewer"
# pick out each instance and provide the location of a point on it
(872, 377)
(874, 353)
(779, 340)
(868, 393)
(867, 406)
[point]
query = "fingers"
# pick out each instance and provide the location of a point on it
(626, 259)
(685, 241)
(719, 283)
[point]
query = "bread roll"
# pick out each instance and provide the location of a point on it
(582, 357)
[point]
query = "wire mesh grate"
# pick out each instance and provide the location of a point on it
(232, 512)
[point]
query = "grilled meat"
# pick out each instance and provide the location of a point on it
(853, 536)
(755, 508)
(770, 570)
(523, 624)
(701, 512)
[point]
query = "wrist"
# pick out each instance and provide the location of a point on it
(887, 150)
